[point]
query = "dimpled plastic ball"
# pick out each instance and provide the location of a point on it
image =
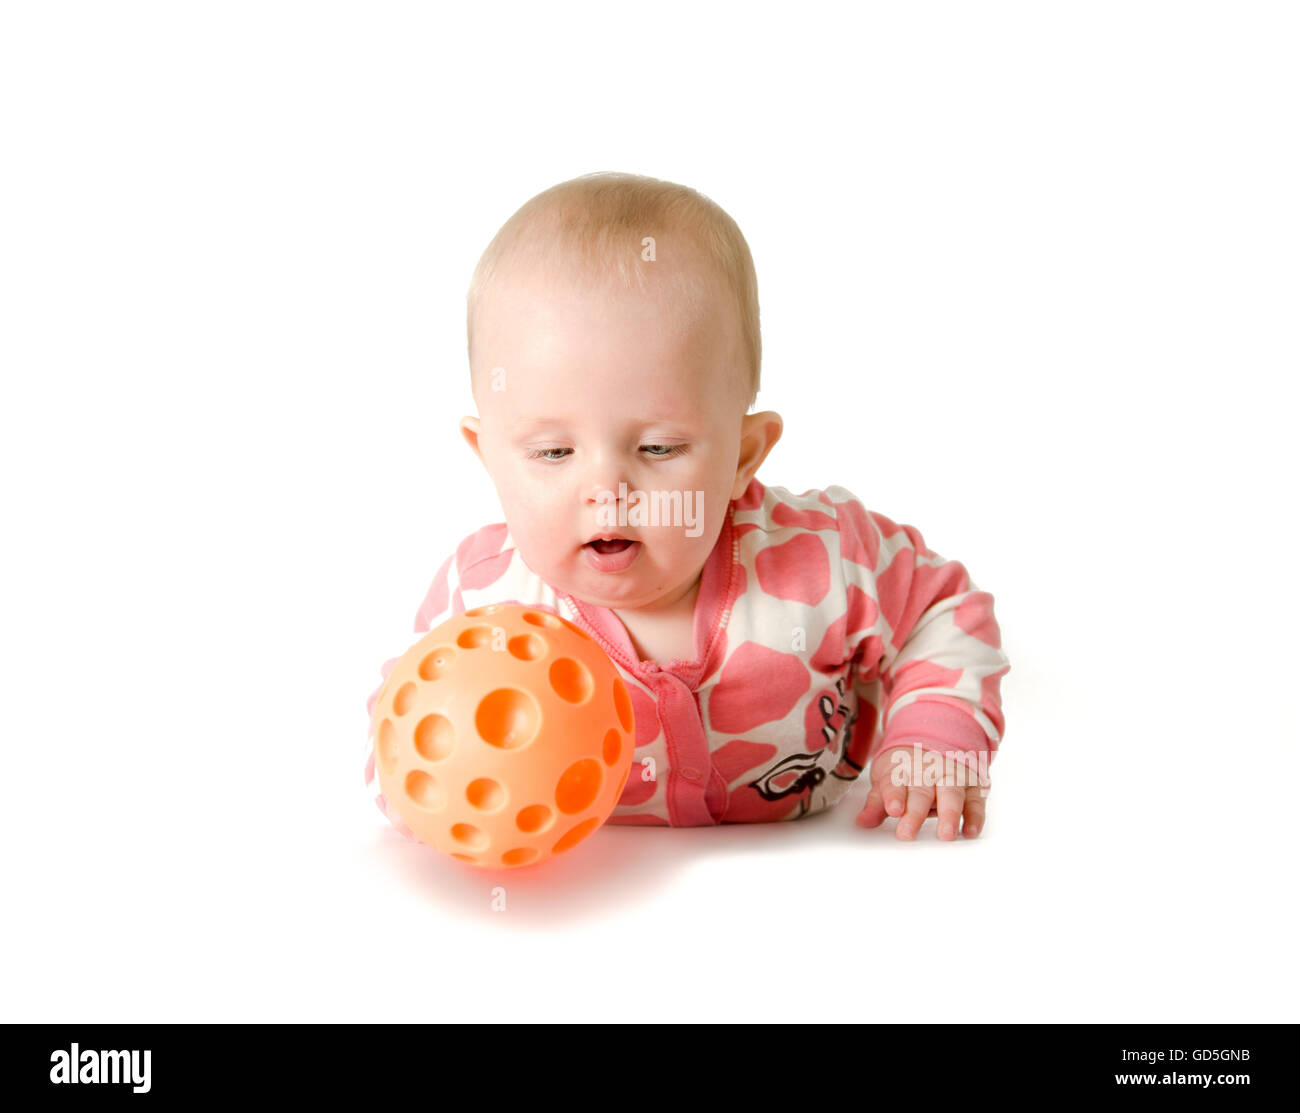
(504, 736)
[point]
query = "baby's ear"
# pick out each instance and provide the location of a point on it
(758, 434)
(469, 429)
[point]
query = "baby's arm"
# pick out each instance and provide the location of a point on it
(936, 646)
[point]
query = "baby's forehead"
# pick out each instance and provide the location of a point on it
(690, 301)
(629, 413)
(554, 303)
(611, 272)
(567, 384)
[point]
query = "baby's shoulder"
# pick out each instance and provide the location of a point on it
(819, 508)
(790, 528)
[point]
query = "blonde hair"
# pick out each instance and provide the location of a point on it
(602, 222)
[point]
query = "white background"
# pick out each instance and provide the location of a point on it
(1028, 276)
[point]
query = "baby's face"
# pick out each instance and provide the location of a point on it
(581, 391)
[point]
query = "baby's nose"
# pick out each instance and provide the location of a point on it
(605, 492)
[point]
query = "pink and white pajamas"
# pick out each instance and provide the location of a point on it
(824, 635)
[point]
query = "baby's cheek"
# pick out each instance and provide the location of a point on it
(532, 515)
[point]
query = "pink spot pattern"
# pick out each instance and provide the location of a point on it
(758, 685)
(735, 758)
(974, 614)
(828, 632)
(639, 788)
(860, 614)
(435, 602)
(783, 514)
(798, 569)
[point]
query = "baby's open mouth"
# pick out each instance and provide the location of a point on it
(615, 546)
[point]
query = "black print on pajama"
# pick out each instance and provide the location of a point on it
(808, 771)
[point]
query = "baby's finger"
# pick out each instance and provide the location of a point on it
(950, 801)
(919, 799)
(974, 813)
(891, 774)
(873, 811)
(894, 796)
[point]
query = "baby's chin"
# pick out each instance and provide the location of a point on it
(628, 601)
(624, 595)
(575, 581)
(662, 597)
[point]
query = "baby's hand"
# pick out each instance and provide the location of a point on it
(898, 788)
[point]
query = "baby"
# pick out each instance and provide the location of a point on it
(774, 644)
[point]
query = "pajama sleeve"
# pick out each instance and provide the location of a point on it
(441, 602)
(926, 632)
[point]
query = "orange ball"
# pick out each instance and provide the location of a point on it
(504, 736)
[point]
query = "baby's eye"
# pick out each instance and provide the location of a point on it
(655, 451)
